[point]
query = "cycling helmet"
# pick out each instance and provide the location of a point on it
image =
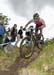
(36, 15)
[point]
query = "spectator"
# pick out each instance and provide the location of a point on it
(19, 35)
(13, 33)
(2, 31)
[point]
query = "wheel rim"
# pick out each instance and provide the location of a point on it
(26, 49)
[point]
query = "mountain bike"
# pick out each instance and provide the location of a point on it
(29, 42)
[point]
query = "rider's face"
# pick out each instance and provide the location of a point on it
(36, 19)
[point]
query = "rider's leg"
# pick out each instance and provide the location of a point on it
(40, 34)
(40, 31)
(41, 37)
(36, 30)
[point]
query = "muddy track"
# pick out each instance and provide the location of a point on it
(19, 63)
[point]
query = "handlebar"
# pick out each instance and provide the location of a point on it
(28, 29)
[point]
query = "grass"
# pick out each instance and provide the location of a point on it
(6, 60)
(44, 64)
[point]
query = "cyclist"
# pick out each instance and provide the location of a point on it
(39, 22)
(19, 34)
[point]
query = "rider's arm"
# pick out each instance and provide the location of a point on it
(43, 24)
(28, 23)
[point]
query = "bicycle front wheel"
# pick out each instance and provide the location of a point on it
(26, 47)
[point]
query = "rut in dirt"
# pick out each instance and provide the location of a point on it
(20, 63)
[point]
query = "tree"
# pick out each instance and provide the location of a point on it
(4, 18)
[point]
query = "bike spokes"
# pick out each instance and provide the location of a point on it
(26, 48)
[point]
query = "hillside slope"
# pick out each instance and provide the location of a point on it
(38, 64)
(44, 64)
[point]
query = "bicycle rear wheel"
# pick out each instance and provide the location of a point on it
(26, 48)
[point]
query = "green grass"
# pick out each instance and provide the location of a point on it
(45, 59)
(6, 59)
(44, 64)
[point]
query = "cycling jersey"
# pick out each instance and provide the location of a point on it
(39, 22)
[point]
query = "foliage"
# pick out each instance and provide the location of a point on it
(4, 18)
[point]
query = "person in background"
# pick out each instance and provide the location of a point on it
(13, 33)
(7, 36)
(19, 35)
(2, 31)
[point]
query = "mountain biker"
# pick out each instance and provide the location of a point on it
(2, 31)
(39, 22)
(13, 33)
(19, 34)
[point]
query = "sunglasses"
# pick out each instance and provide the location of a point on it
(36, 17)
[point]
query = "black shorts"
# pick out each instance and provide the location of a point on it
(37, 28)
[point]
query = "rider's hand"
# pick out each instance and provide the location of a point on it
(24, 28)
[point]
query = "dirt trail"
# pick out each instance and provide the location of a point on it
(18, 64)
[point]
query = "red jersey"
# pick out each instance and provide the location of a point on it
(39, 22)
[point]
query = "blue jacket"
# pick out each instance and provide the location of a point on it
(2, 29)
